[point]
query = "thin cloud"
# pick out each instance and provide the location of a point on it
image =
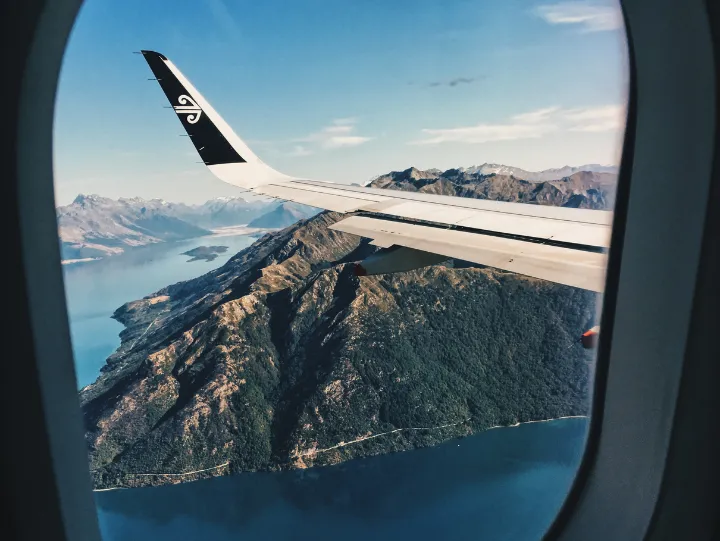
(339, 134)
(223, 17)
(530, 125)
(345, 121)
(484, 133)
(597, 119)
(299, 151)
(588, 16)
(536, 116)
(346, 141)
(338, 129)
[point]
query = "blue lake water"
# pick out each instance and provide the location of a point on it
(94, 290)
(505, 484)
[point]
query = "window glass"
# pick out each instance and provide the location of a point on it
(246, 369)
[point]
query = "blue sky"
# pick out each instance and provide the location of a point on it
(339, 90)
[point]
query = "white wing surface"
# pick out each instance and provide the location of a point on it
(558, 244)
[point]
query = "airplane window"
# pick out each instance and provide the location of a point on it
(335, 269)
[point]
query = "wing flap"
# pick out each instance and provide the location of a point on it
(504, 235)
(507, 220)
(567, 266)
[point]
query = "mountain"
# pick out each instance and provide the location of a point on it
(538, 176)
(283, 215)
(224, 211)
(283, 358)
(583, 189)
(94, 226)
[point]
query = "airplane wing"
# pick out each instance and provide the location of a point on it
(558, 244)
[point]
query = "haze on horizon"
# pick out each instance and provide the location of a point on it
(340, 91)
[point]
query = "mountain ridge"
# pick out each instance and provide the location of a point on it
(582, 189)
(283, 358)
(93, 226)
(539, 176)
(283, 215)
(544, 175)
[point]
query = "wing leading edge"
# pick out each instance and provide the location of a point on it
(552, 243)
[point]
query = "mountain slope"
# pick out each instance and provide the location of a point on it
(283, 358)
(584, 189)
(94, 226)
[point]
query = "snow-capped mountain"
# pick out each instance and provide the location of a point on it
(538, 176)
(94, 226)
(225, 211)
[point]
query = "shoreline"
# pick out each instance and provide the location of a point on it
(538, 421)
(343, 444)
(240, 230)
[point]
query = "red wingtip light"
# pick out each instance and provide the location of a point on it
(590, 338)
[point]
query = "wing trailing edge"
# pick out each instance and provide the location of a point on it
(226, 155)
(557, 244)
(577, 268)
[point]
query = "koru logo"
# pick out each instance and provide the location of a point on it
(188, 107)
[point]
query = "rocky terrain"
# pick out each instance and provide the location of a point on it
(538, 176)
(283, 358)
(94, 226)
(581, 189)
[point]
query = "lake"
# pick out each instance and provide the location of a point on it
(94, 289)
(505, 484)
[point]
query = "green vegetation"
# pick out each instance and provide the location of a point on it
(283, 358)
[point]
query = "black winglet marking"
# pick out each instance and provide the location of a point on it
(212, 146)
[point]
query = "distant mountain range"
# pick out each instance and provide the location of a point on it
(582, 189)
(93, 226)
(538, 176)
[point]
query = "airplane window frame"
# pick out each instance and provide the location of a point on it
(617, 493)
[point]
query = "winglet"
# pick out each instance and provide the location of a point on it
(225, 154)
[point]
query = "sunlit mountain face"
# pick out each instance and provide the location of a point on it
(282, 358)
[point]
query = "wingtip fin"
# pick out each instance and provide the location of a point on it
(219, 147)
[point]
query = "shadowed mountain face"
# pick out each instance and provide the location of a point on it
(582, 189)
(282, 358)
